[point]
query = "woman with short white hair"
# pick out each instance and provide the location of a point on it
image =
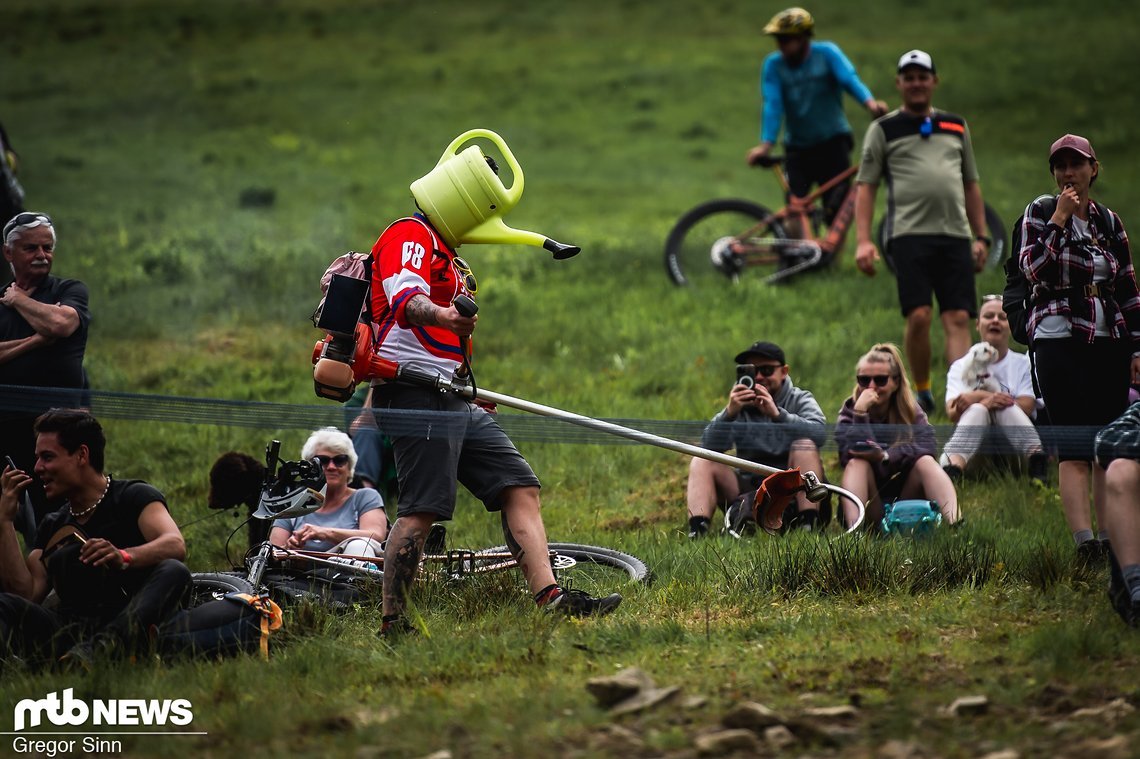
(350, 521)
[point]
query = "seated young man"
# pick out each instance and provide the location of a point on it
(112, 553)
(975, 408)
(769, 421)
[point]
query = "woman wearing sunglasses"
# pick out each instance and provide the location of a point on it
(351, 521)
(886, 444)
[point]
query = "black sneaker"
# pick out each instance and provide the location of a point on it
(1039, 467)
(926, 400)
(577, 603)
(698, 527)
(1092, 553)
(1119, 596)
(954, 472)
(738, 520)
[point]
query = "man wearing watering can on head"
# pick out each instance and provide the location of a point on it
(420, 295)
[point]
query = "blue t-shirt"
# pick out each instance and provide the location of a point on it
(347, 517)
(808, 97)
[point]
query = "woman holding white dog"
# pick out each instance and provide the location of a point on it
(992, 385)
(1084, 324)
(886, 444)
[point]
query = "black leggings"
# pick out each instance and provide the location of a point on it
(1084, 386)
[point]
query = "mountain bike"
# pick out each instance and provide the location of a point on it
(720, 239)
(294, 488)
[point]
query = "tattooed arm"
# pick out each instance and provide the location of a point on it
(422, 312)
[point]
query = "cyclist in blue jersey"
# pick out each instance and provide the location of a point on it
(802, 85)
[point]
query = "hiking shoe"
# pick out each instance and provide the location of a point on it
(699, 527)
(1119, 595)
(738, 519)
(1092, 553)
(395, 627)
(578, 603)
(926, 400)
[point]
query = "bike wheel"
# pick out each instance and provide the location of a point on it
(717, 240)
(210, 586)
(593, 569)
(996, 231)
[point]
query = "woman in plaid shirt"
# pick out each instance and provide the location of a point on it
(1084, 324)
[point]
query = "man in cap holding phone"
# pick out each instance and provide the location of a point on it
(767, 419)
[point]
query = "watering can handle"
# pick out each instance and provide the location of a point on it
(516, 188)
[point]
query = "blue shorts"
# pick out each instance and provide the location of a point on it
(439, 440)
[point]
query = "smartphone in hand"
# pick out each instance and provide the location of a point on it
(12, 464)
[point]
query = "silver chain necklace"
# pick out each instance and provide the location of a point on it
(91, 508)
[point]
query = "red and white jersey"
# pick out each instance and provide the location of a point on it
(411, 259)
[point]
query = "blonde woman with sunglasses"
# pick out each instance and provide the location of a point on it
(886, 444)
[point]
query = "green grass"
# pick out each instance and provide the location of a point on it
(140, 125)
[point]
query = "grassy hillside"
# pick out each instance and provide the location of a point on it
(142, 125)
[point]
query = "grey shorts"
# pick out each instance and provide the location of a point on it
(439, 440)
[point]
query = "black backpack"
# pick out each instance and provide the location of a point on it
(1017, 298)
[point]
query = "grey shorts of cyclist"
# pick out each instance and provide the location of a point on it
(439, 440)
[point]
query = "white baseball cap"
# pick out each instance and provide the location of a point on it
(917, 58)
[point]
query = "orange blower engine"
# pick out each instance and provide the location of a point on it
(340, 361)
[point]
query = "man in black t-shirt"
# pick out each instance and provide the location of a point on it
(43, 336)
(112, 553)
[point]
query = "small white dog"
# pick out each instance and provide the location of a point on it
(976, 372)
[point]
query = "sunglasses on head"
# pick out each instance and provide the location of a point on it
(991, 297)
(26, 220)
(340, 459)
(464, 271)
(880, 380)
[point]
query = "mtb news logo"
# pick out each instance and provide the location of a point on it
(70, 711)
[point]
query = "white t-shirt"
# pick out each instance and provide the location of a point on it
(1012, 374)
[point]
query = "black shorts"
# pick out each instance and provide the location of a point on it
(814, 165)
(440, 439)
(934, 263)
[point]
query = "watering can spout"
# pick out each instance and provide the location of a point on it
(560, 249)
(495, 231)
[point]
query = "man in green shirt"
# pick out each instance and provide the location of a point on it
(934, 211)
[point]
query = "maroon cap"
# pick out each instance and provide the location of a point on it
(1072, 142)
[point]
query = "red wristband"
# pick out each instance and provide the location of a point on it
(126, 557)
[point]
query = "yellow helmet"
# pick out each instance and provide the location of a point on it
(791, 21)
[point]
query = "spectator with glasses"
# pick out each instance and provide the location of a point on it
(1003, 398)
(935, 226)
(43, 338)
(767, 420)
(350, 521)
(886, 444)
